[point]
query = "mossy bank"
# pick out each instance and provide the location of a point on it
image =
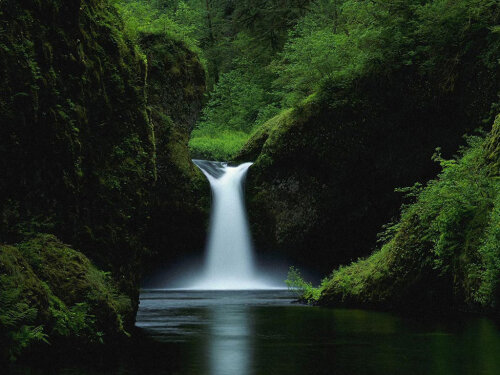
(443, 253)
(52, 293)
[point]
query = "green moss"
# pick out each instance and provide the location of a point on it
(76, 151)
(271, 136)
(176, 79)
(52, 292)
(94, 150)
(175, 91)
(253, 147)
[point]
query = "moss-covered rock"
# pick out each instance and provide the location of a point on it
(445, 251)
(50, 292)
(325, 172)
(93, 149)
(175, 91)
(176, 79)
(76, 149)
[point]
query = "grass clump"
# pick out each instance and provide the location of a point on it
(222, 146)
(303, 290)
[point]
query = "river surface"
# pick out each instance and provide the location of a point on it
(264, 333)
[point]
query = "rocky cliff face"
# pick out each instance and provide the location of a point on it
(76, 144)
(175, 91)
(325, 172)
(93, 149)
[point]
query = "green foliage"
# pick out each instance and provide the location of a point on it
(445, 249)
(234, 104)
(303, 290)
(313, 53)
(75, 322)
(488, 293)
(50, 292)
(222, 146)
(342, 40)
(180, 21)
(17, 319)
(237, 106)
(283, 52)
(269, 21)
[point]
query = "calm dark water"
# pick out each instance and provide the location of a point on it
(263, 333)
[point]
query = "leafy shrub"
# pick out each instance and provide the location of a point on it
(181, 22)
(18, 328)
(303, 289)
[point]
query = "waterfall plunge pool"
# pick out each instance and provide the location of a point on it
(263, 333)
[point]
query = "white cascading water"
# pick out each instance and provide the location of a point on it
(229, 261)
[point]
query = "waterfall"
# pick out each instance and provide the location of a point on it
(229, 262)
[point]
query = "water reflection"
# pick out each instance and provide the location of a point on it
(263, 333)
(229, 347)
(254, 333)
